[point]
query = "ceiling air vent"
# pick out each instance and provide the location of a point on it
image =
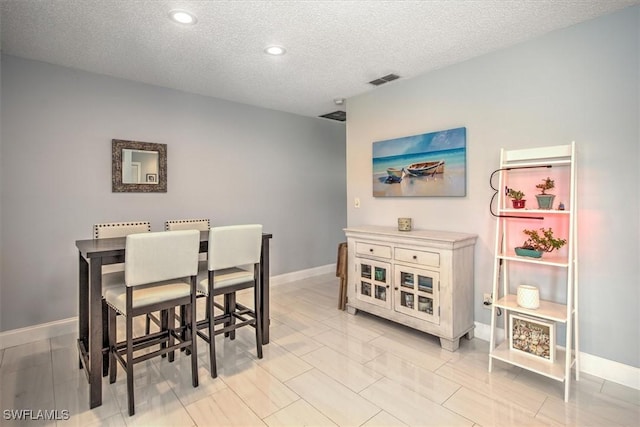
(340, 116)
(385, 79)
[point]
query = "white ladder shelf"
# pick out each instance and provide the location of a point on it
(524, 168)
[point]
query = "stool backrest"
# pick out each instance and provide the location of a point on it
(187, 224)
(234, 245)
(159, 256)
(120, 229)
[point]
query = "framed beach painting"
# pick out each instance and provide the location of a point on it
(431, 164)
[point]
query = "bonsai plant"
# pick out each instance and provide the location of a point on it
(545, 201)
(517, 196)
(538, 242)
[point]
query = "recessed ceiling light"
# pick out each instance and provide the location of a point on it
(182, 17)
(275, 50)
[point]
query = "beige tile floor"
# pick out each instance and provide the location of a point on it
(323, 367)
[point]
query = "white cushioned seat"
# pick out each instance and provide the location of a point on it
(144, 295)
(112, 268)
(223, 278)
(109, 280)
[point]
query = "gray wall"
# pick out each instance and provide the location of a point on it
(229, 162)
(580, 83)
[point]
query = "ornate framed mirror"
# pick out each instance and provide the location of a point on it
(138, 167)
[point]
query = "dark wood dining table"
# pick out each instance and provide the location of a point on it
(93, 254)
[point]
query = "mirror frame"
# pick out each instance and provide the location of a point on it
(117, 186)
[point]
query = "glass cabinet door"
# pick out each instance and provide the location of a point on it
(373, 282)
(416, 293)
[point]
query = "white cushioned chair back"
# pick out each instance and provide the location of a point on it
(159, 256)
(234, 245)
(120, 229)
(187, 224)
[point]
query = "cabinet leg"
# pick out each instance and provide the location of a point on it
(451, 345)
(351, 310)
(469, 335)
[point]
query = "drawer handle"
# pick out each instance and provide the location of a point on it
(415, 257)
(371, 250)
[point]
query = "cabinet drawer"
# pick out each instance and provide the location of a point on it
(431, 259)
(373, 250)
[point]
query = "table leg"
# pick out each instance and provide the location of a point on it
(264, 283)
(83, 303)
(105, 337)
(95, 337)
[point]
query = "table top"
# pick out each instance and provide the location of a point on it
(90, 248)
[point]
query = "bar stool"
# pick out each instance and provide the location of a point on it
(114, 273)
(155, 269)
(233, 264)
(202, 224)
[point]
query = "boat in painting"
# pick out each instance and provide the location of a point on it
(426, 168)
(395, 175)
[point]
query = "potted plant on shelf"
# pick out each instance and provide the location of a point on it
(517, 198)
(539, 241)
(545, 201)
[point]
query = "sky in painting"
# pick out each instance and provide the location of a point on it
(424, 143)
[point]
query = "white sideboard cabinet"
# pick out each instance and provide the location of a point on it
(421, 278)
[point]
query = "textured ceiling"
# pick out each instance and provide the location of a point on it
(333, 47)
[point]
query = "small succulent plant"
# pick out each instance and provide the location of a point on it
(515, 194)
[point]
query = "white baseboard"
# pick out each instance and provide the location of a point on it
(38, 332)
(589, 364)
(610, 370)
(483, 332)
(302, 274)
